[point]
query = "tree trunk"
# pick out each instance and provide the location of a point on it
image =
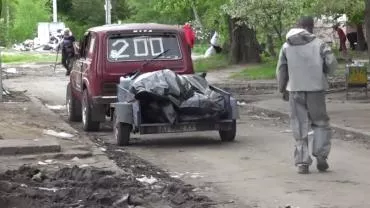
(270, 45)
(360, 37)
(244, 47)
(367, 22)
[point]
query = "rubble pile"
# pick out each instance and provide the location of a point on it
(35, 45)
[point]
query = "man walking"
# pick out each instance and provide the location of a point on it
(67, 50)
(303, 66)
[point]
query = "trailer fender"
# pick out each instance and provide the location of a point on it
(234, 108)
(124, 112)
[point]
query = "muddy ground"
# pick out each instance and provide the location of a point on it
(88, 187)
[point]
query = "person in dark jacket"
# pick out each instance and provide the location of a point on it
(67, 50)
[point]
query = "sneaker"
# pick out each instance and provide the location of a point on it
(303, 169)
(322, 164)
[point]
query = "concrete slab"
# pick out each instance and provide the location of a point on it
(27, 146)
(350, 117)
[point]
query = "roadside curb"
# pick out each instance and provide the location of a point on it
(336, 127)
(237, 87)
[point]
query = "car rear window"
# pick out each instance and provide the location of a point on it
(143, 47)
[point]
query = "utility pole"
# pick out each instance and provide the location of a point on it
(108, 7)
(55, 11)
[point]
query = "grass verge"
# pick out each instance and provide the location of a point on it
(200, 48)
(260, 71)
(214, 62)
(27, 58)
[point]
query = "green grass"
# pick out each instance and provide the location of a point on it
(261, 71)
(200, 48)
(27, 58)
(214, 62)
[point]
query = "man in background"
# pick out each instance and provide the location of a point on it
(67, 50)
(342, 40)
(302, 69)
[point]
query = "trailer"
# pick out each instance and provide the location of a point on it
(128, 114)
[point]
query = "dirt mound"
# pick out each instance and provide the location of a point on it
(88, 187)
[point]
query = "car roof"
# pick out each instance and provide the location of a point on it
(133, 26)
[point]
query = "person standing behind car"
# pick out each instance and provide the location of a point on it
(67, 50)
(302, 69)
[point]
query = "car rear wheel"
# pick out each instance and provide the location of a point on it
(87, 122)
(73, 106)
(122, 132)
(229, 135)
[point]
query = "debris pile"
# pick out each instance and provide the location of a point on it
(35, 45)
(89, 187)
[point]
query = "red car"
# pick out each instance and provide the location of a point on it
(109, 52)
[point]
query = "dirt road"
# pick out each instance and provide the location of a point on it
(255, 171)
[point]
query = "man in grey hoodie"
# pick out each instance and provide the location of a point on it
(302, 69)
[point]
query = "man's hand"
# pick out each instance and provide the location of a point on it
(285, 96)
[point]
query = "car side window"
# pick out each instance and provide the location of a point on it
(91, 46)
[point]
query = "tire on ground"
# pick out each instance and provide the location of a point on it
(87, 114)
(73, 106)
(229, 135)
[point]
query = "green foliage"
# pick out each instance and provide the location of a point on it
(27, 13)
(155, 11)
(354, 8)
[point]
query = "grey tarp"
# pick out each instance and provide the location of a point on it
(169, 97)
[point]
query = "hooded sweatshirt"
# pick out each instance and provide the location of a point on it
(304, 63)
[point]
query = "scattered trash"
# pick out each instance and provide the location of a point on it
(56, 107)
(11, 71)
(348, 136)
(38, 177)
(124, 199)
(49, 161)
(62, 135)
(286, 131)
(48, 189)
(75, 159)
(310, 133)
(241, 103)
(264, 117)
(41, 163)
(83, 166)
(24, 185)
(103, 149)
(184, 175)
(145, 179)
(119, 150)
(196, 175)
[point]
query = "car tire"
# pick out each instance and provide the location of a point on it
(73, 106)
(122, 132)
(229, 135)
(87, 122)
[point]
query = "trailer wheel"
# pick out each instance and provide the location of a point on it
(122, 132)
(73, 106)
(87, 122)
(229, 135)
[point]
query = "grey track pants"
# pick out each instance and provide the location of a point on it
(308, 110)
